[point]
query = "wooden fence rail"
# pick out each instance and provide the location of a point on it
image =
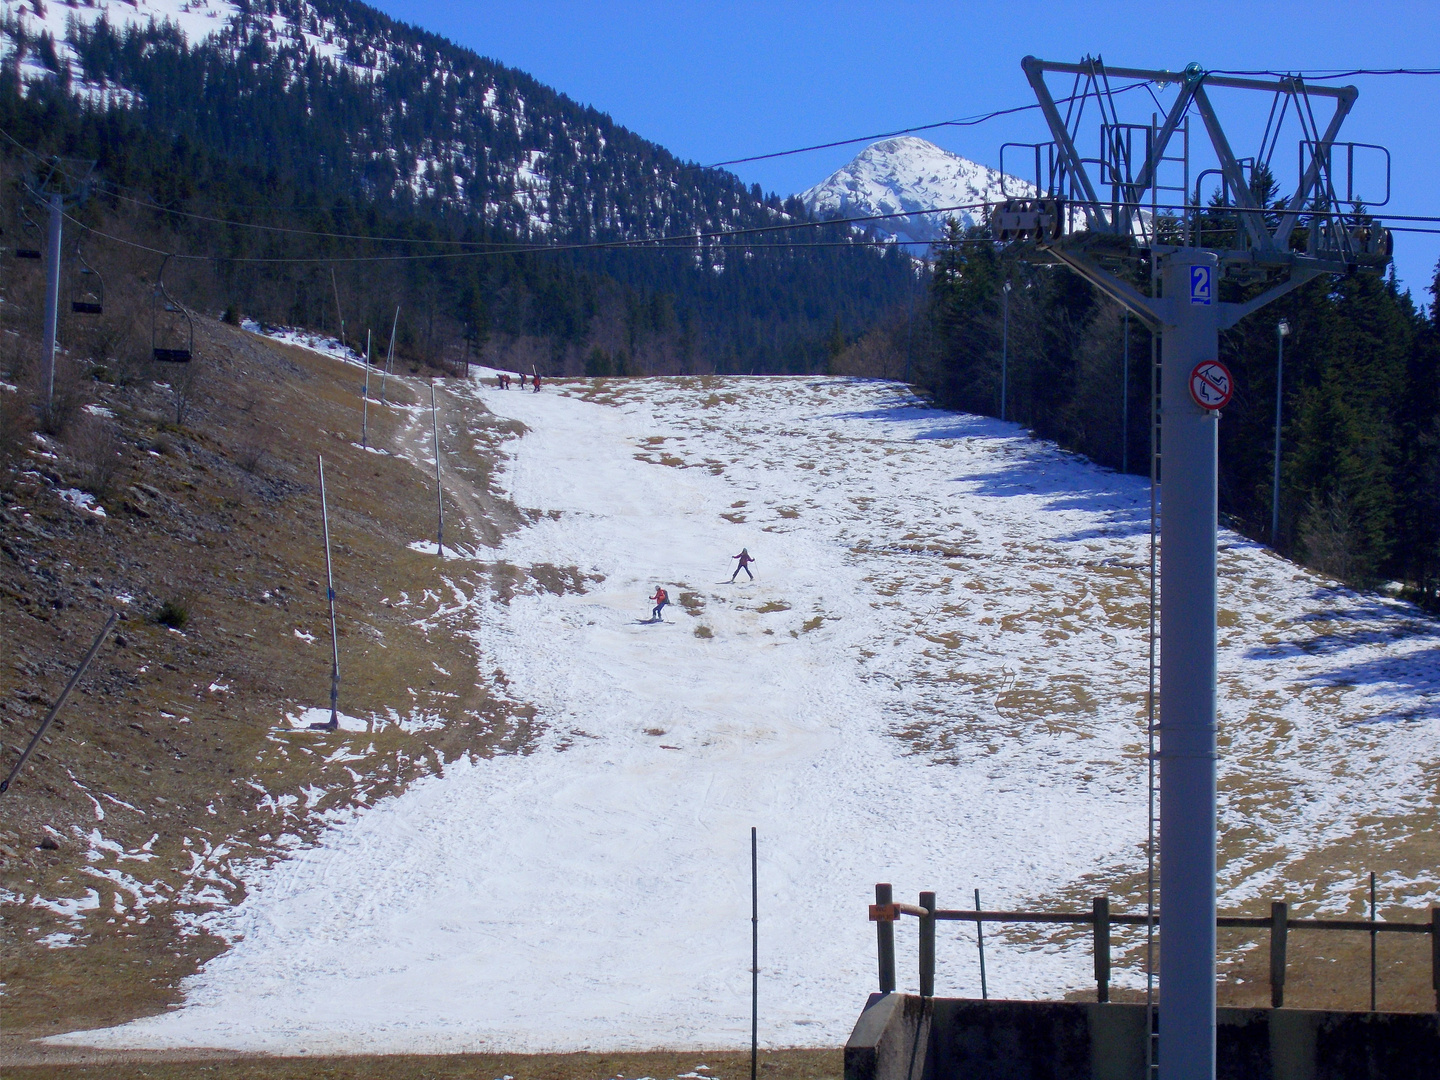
(885, 912)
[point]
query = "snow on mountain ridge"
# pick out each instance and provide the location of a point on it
(906, 174)
(524, 158)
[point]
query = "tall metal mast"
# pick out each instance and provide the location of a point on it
(1107, 191)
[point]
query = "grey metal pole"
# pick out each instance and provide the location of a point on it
(338, 314)
(1282, 328)
(390, 352)
(439, 492)
(1188, 521)
(365, 409)
(1004, 346)
(1125, 401)
(330, 595)
(754, 955)
(52, 298)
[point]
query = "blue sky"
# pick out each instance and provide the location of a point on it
(718, 81)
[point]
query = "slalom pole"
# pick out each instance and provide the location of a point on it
(439, 492)
(365, 409)
(330, 595)
(754, 956)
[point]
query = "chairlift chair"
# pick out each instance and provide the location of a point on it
(172, 338)
(27, 231)
(87, 296)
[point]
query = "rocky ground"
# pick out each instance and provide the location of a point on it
(187, 501)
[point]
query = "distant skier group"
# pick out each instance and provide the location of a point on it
(660, 598)
(502, 380)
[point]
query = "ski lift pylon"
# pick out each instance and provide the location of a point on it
(178, 345)
(87, 295)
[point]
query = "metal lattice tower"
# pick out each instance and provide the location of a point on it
(1090, 213)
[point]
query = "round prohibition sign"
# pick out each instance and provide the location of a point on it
(1211, 385)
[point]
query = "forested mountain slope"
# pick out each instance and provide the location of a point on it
(331, 117)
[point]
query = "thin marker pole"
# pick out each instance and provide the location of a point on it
(1282, 328)
(1151, 700)
(1372, 941)
(755, 955)
(1004, 347)
(365, 409)
(338, 313)
(52, 298)
(390, 352)
(330, 595)
(60, 701)
(439, 492)
(980, 942)
(1125, 402)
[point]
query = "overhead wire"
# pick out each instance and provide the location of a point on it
(683, 240)
(1326, 74)
(968, 121)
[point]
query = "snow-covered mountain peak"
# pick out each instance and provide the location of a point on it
(907, 174)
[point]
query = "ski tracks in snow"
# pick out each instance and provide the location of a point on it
(938, 679)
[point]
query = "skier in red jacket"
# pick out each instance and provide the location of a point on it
(661, 598)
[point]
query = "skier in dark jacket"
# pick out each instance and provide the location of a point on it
(744, 564)
(661, 598)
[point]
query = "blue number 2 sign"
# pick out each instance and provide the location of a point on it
(1199, 284)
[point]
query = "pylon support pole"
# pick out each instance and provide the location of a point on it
(1188, 607)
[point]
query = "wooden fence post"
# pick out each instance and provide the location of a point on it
(927, 945)
(885, 939)
(1101, 907)
(1279, 927)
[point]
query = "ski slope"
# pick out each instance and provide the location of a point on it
(937, 678)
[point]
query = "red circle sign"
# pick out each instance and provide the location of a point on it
(1211, 385)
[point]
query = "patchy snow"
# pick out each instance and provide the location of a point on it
(937, 678)
(307, 339)
(305, 717)
(451, 551)
(198, 20)
(82, 500)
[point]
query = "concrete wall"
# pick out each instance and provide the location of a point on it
(903, 1037)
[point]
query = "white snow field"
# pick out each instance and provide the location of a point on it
(937, 678)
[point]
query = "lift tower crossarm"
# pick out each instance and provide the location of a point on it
(1285, 84)
(1345, 98)
(1035, 72)
(1157, 151)
(1126, 295)
(1248, 210)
